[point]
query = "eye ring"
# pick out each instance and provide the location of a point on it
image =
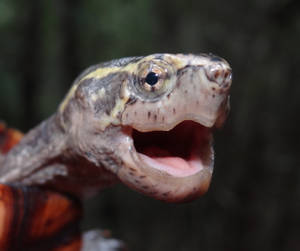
(152, 78)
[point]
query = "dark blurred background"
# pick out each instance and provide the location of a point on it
(254, 199)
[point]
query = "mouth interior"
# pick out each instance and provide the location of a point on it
(182, 151)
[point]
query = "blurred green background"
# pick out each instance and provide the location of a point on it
(254, 199)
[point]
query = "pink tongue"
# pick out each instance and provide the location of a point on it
(175, 166)
(174, 162)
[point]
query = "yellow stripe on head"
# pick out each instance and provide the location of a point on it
(102, 72)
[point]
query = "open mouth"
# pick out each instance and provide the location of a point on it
(182, 151)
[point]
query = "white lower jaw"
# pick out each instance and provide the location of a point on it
(174, 166)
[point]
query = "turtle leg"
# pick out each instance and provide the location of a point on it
(99, 240)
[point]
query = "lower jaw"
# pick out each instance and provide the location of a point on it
(167, 185)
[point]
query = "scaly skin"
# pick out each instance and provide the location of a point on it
(88, 144)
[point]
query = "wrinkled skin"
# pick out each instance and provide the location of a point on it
(146, 121)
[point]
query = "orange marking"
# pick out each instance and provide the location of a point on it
(8, 138)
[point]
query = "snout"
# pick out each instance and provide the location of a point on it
(220, 73)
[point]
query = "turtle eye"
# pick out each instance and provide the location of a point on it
(152, 78)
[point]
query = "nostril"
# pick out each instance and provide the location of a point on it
(228, 78)
(219, 73)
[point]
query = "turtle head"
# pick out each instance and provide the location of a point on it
(149, 120)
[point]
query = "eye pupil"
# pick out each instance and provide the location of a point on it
(151, 78)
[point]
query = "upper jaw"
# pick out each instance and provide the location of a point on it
(200, 94)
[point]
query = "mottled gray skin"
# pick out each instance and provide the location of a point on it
(86, 145)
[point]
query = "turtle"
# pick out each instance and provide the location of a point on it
(145, 121)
